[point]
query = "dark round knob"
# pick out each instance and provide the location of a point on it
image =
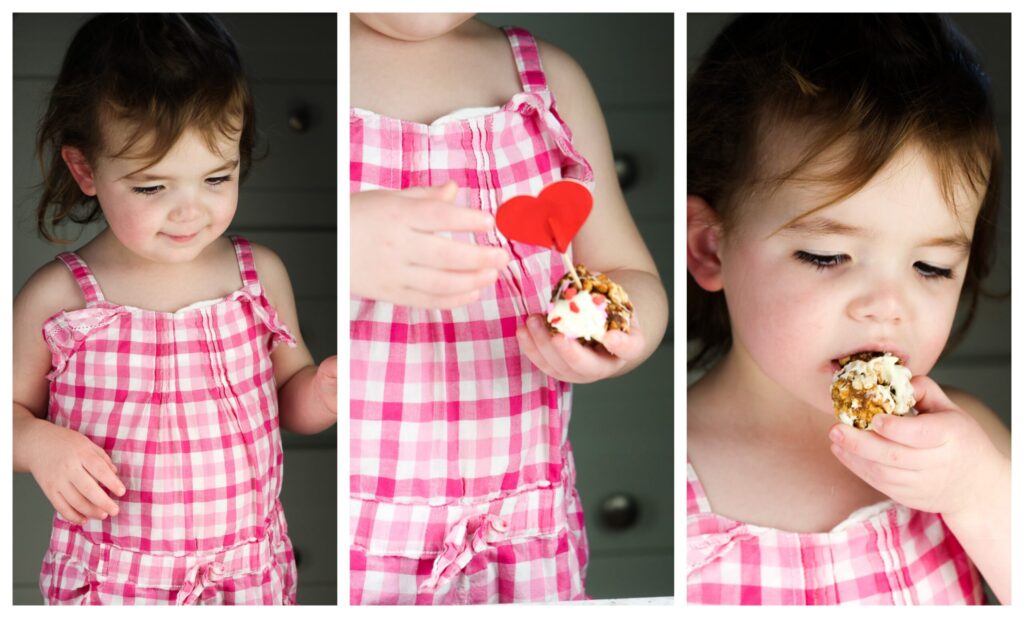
(298, 119)
(619, 511)
(625, 169)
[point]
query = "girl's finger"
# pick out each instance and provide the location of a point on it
(626, 347)
(66, 510)
(929, 396)
(449, 282)
(328, 368)
(107, 477)
(543, 338)
(437, 216)
(925, 431)
(445, 192)
(82, 504)
(587, 363)
(423, 300)
(91, 491)
(883, 478)
(441, 253)
(529, 348)
(871, 447)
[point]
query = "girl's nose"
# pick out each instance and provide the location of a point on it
(187, 209)
(881, 303)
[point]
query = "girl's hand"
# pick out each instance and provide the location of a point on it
(398, 256)
(570, 361)
(327, 384)
(932, 462)
(70, 468)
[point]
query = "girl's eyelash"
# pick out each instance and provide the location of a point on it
(153, 190)
(148, 190)
(821, 262)
(933, 272)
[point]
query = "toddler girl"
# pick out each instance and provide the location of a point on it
(843, 175)
(462, 478)
(148, 413)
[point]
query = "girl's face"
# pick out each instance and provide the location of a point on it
(413, 26)
(880, 270)
(172, 210)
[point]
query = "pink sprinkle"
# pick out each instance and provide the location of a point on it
(570, 292)
(574, 308)
(555, 320)
(598, 299)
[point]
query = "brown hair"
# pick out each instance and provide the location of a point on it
(862, 85)
(159, 74)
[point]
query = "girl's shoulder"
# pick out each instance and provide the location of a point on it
(272, 274)
(566, 78)
(51, 289)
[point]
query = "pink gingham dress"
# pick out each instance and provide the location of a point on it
(462, 478)
(185, 404)
(887, 554)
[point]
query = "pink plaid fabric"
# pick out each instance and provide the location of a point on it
(886, 555)
(462, 478)
(186, 405)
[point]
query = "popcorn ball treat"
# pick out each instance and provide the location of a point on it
(587, 313)
(871, 383)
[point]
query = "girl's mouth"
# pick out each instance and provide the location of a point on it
(181, 238)
(836, 365)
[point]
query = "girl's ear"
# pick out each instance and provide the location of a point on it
(80, 169)
(703, 236)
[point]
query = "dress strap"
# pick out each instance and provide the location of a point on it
(696, 500)
(524, 49)
(84, 277)
(246, 263)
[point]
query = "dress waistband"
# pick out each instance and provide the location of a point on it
(420, 530)
(189, 573)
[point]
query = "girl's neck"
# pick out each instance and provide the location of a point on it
(361, 34)
(128, 279)
(472, 66)
(737, 396)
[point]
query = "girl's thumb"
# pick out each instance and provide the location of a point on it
(929, 395)
(444, 193)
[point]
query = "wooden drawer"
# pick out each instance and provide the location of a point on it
(630, 575)
(622, 436)
(646, 135)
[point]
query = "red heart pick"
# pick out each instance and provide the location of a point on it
(551, 219)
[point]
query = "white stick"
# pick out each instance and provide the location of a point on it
(572, 269)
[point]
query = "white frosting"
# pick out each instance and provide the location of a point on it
(884, 374)
(580, 316)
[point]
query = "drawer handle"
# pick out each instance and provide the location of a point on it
(625, 170)
(620, 511)
(298, 119)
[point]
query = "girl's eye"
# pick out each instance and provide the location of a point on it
(148, 190)
(218, 180)
(933, 272)
(821, 262)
